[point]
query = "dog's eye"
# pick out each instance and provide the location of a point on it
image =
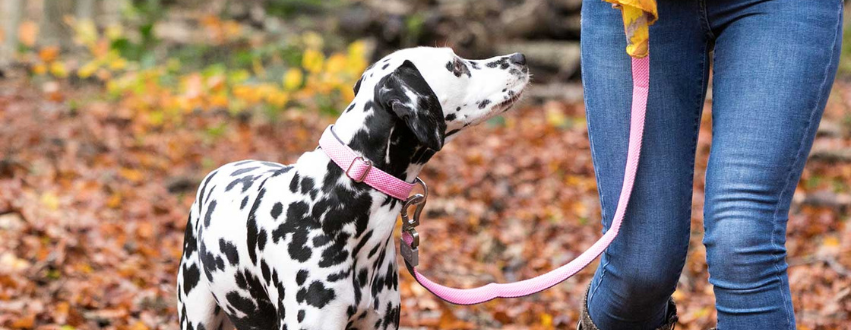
(458, 63)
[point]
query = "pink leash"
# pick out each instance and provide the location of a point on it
(361, 170)
(641, 83)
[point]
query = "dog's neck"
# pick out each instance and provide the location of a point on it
(379, 136)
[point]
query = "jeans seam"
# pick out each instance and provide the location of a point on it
(701, 97)
(801, 143)
(704, 18)
(600, 193)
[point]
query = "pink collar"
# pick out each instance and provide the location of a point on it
(360, 169)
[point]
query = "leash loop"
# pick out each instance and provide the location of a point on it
(410, 240)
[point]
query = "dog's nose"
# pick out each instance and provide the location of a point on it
(518, 58)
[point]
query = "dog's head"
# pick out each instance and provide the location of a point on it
(437, 93)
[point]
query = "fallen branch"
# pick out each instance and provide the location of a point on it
(569, 93)
(824, 199)
(831, 155)
(832, 129)
(829, 261)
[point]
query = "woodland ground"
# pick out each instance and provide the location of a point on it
(93, 205)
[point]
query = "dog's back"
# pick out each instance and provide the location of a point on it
(213, 249)
(258, 251)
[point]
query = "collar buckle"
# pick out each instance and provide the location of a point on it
(365, 172)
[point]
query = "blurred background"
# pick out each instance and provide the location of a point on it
(111, 112)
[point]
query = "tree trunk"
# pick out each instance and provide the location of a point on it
(53, 30)
(12, 12)
(85, 9)
(111, 12)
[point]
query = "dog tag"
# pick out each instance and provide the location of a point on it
(411, 255)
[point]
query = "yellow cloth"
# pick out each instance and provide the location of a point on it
(638, 15)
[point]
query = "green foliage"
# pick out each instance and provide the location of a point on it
(413, 29)
(232, 69)
(845, 57)
(288, 8)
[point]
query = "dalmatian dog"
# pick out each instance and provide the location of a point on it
(304, 246)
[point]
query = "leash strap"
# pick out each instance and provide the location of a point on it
(640, 86)
(360, 169)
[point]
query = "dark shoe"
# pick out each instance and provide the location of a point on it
(585, 322)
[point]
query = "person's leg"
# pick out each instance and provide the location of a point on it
(774, 66)
(639, 271)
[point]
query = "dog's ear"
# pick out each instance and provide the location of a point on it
(406, 93)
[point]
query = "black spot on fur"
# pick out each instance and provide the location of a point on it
(282, 312)
(458, 68)
(271, 164)
(384, 67)
(281, 171)
(276, 210)
(207, 200)
(362, 277)
(259, 310)
(306, 185)
(338, 276)
(243, 171)
(392, 315)
(362, 242)
(502, 63)
(191, 276)
(204, 188)
(301, 277)
(298, 248)
(230, 251)
(299, 225)
(316, 295)
(320, 240)
(210, 262)
(264, 268)
(294, 183)
(190, 244)
(246, 181)
(356, 89)
(450, 117)
(251, 239)
(209, 214)
(261, 239)
(244, 203)
(372, 251)
(336, 253)
(484, 103)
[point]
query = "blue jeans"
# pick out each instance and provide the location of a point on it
(774, 63)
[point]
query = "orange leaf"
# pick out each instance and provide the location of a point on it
(26, 322)
(49, 53)
(131, 174)
(28, 33)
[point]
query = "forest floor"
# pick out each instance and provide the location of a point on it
(93, 206)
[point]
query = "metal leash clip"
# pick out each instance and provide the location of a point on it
(410, 240)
